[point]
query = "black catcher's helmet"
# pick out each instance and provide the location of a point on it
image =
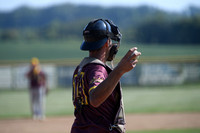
(97, 32)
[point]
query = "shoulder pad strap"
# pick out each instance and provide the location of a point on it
(88, 60)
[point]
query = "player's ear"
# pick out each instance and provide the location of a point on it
(108, 42)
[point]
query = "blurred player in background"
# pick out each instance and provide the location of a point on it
(37, 89)
(97, 94)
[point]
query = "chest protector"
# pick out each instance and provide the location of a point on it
(119, 121)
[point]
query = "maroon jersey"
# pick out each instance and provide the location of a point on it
(88, 118)
(36, 80)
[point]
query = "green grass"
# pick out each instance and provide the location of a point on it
(169, 131)
(68, 50)
(45, 50)
(59, 102)
(15, 104)
(162, 99)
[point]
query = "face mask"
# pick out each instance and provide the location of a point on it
(113, 52)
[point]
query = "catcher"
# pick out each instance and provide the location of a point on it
(97, 94)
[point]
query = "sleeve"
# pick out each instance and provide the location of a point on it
(96, 75)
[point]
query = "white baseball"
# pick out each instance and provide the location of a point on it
(135, 52)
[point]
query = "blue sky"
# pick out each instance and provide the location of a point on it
(170, 5)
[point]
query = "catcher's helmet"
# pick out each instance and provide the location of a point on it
(97, 32)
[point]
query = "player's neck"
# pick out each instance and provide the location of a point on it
(98, 55)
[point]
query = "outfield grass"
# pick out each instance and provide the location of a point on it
(15, 104)
(183, 98)
(67, 50)
(169, 131)
(45, 50)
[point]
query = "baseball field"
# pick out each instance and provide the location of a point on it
(149, 109)
(169, 109)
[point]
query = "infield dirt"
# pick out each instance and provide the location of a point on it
(134, 122)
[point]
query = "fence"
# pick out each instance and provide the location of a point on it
(13, 76)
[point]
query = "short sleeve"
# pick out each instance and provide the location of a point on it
(95, 75)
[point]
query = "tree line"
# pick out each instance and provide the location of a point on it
(184, 31)
(143, 24)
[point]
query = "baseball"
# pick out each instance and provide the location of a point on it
(135, 52)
